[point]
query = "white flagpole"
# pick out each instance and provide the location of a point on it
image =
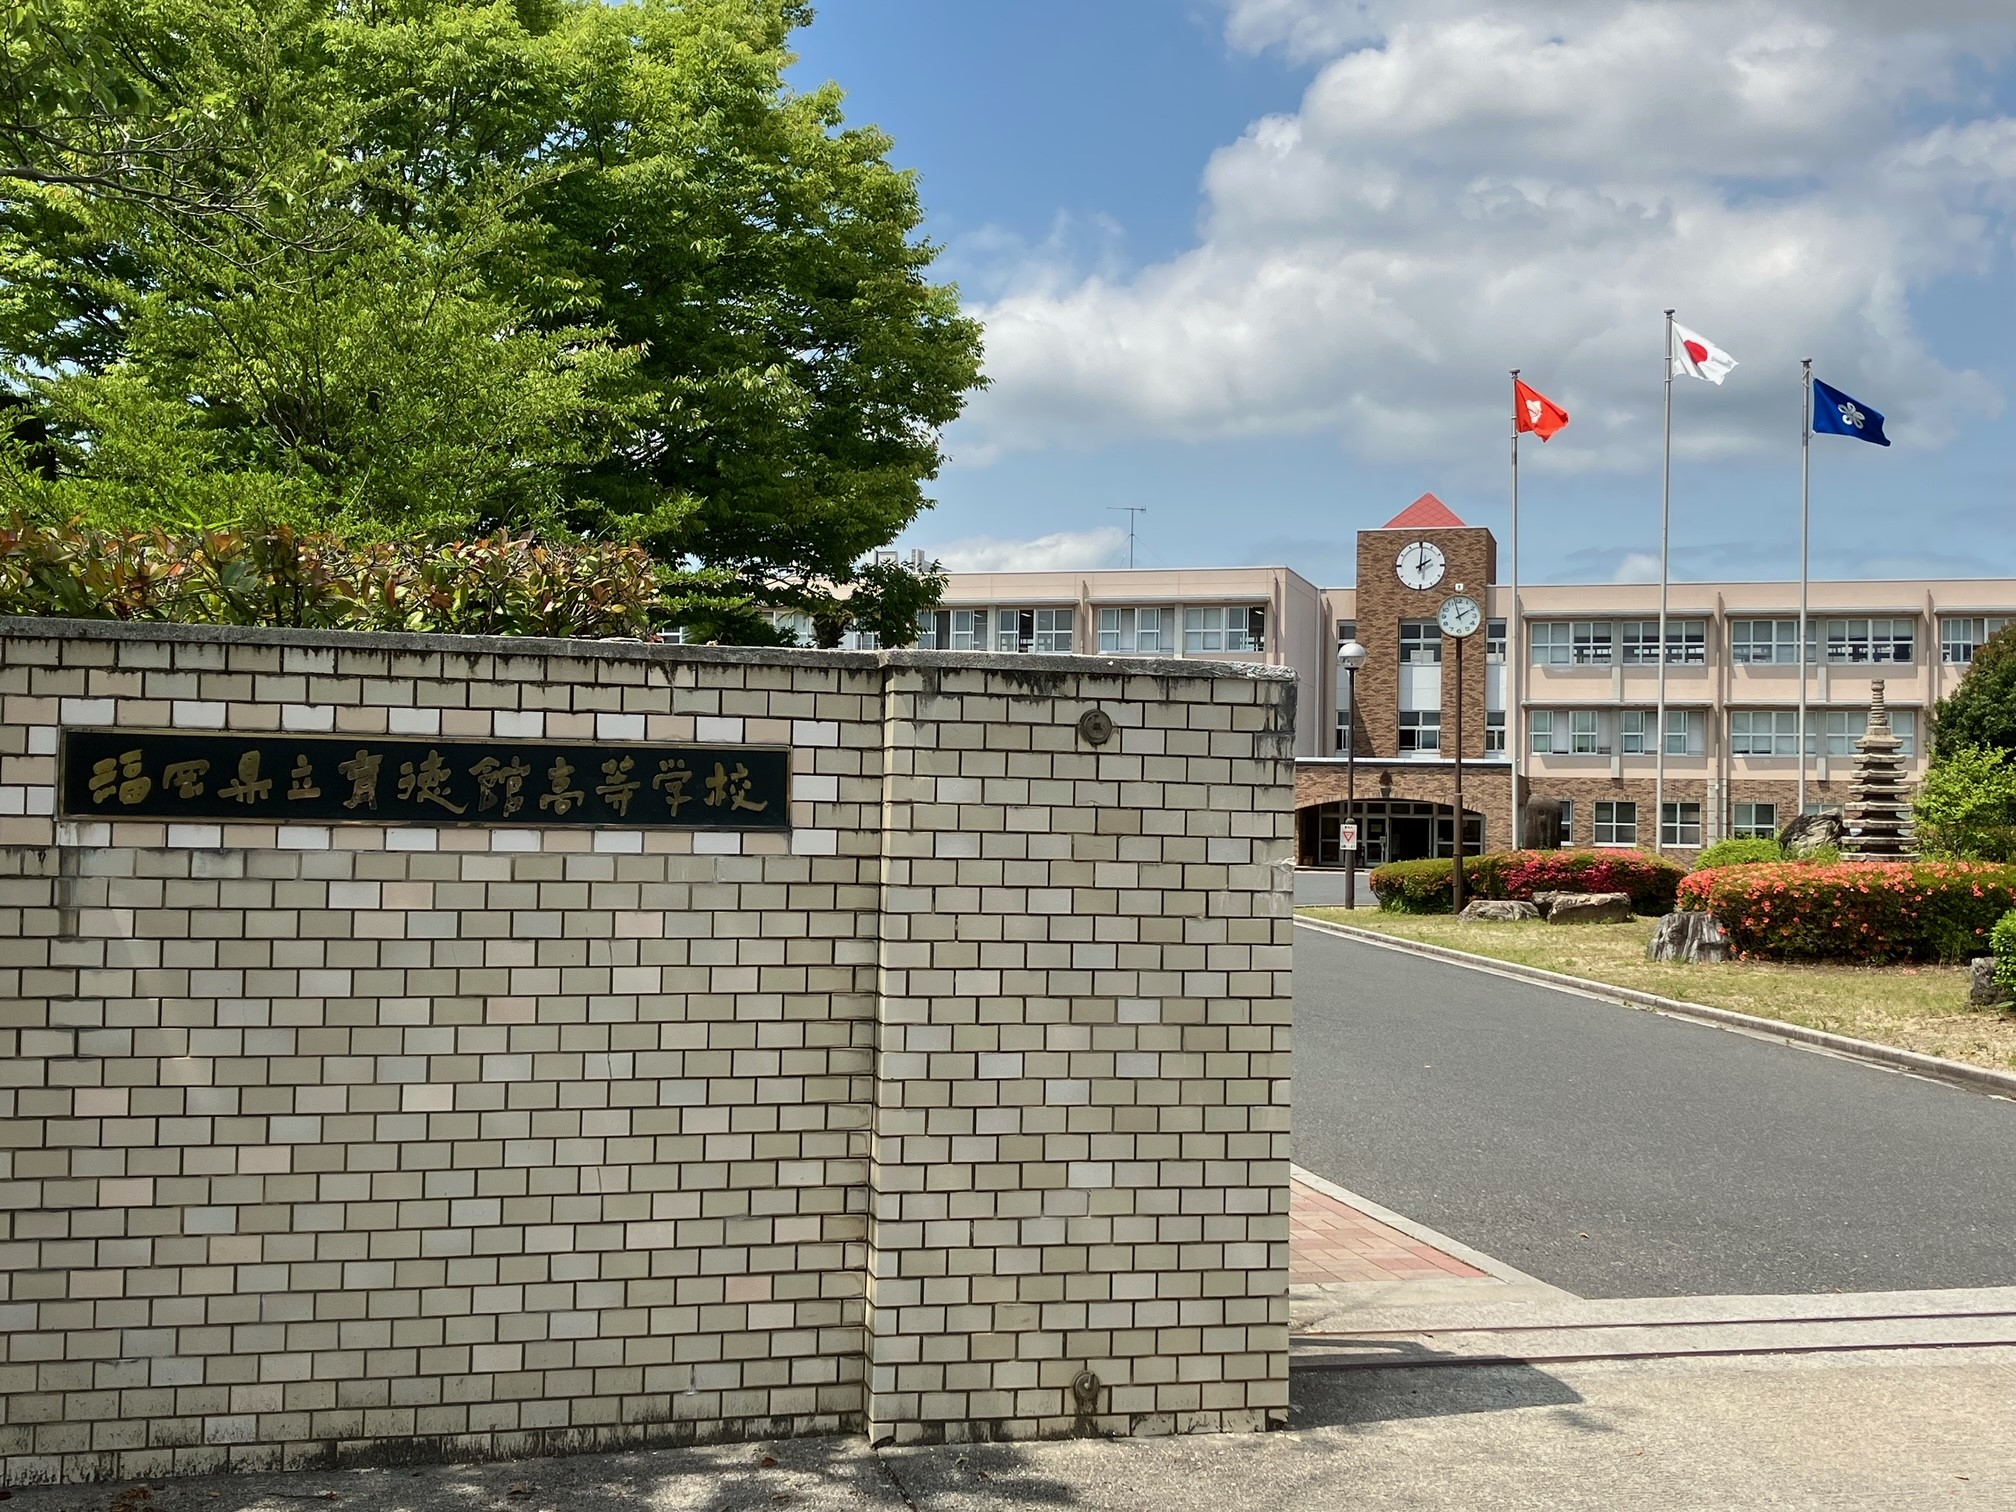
(1805, 515)
(1515, 701)
(1665, 533)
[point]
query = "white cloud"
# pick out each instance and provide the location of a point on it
(1466, 188)
(1637, 567)
(1066, 551)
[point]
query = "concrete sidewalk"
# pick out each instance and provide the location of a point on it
(1853, 1430)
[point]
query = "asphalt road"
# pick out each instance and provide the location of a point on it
(1618, 1153)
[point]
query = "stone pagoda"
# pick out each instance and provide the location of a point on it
(1876, 823)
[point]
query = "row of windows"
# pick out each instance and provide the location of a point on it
(1615, 822)
(1421, 640)
(1756, 642)
(1421, 730)
(1752, 732)
(1145, 630)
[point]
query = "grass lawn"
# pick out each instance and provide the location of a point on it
(1922, 1008)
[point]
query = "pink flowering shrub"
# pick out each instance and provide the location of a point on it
(1425, 886)
(1873, 912)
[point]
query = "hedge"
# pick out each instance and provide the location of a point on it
(1427, 886)
(2002, 940)
(1738, 853)
(1871, 912)
(502, 585)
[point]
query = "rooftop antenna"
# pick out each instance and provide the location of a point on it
(1130, 510)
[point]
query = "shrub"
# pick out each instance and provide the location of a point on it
(1966, 806)
(2002, 940)
(1874, 912)
(1425, 886)
(1738, 853)
(502, 585)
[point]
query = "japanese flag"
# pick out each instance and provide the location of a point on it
(1698, 357)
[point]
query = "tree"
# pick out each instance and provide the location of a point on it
(431, 267)
(1966, 806)
(1982, 710)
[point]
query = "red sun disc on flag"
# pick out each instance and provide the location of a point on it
(1697, 351)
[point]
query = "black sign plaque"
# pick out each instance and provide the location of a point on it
(405, 779)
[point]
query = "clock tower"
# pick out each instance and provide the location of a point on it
(1407, 569)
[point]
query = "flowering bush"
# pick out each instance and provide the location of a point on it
(1427, 886)
(1875, 912)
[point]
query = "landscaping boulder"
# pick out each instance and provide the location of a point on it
(1810, 833)
(1544, 901)
(1983, 990)
(1688, 937)
(1500, 910)
(1590, 908)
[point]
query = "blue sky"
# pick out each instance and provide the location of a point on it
(1260, 265)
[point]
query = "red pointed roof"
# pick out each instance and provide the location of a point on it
(1425, 513)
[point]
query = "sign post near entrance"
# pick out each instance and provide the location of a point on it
(1350, 656)
(1459, 618)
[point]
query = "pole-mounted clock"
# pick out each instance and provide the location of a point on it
(1459, 616)
(1421, 565)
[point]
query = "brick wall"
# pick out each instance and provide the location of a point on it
(370, 1141)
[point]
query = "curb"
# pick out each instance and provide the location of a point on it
(1455, 1249)
(1932, 1067)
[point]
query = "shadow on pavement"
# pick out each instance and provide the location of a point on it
(1344, 1398)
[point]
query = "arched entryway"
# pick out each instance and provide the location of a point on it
(1389, 829)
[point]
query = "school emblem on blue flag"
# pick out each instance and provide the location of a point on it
(1838, 415)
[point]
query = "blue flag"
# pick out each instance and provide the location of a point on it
(1836, 414)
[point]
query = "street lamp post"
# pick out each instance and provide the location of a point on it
(1351, 656)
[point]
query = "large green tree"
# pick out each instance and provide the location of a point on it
(434, 266)
(1981, 712)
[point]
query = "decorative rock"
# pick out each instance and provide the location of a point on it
(1590, 908)
(1983, 990)
(1688, 937)
(1809, 833)
(1544, 900)
(1499, 910)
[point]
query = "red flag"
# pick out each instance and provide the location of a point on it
(1536, 412)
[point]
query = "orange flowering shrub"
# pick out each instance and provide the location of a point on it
(1873, 912)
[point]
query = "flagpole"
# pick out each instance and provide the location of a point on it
(1665, 535)
(1515, 702)
(1805, 516)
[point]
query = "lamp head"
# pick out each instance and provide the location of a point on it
(1351, 656)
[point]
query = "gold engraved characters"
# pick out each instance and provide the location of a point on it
(362, 772)
(428, 783)
(672, 780)
(186, 777)
(733, 788)
(124, 774)
(562, 798)
(248, 786)
(618, 786)
(495, 779)
(301, 782)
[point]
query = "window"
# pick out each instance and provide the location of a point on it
(1686, 732)
(1755, 821)
(1686, 642)
(1841, 728)
(1053, 629)
(1347, 630)
(1550, 642)
(1588, 733)
(1960, 638)
(1046, 631)
(1773, 642)
(1343, 728)
(796, 626)
(1133, 632)
(969, 630)
(1763, 732)
(1862, 640)
(1420, 729)
(1420, 642)
(1494, 730)
(1567, 821)
(1541, 725)
(1679, 824)
(1224, 628)
(1494, 641)
(865, 640)
(1591, 640)
(1616, 823)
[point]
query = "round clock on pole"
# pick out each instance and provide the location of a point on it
(1459, 616)
(1420, 565)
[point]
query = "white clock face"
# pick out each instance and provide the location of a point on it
(1421, 564)
(1459, 616)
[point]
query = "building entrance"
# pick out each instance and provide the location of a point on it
(1391, 829)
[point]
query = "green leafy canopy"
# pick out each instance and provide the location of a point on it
(433, 268)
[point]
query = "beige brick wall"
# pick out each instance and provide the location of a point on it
(373, 1141)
